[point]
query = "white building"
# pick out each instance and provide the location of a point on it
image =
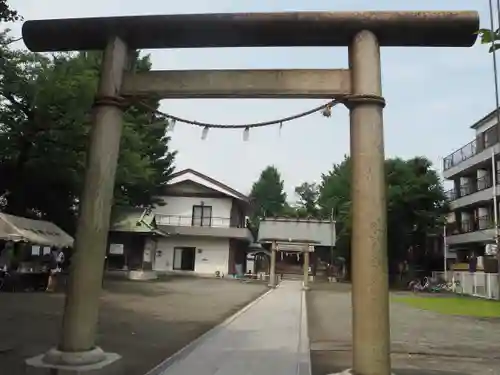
(473, 169)
(200, 229)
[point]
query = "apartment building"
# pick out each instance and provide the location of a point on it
(472, 168)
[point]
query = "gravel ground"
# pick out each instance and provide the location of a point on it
(423, 342)
(144, 322)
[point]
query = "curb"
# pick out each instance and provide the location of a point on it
(304, 352)
(186, 350)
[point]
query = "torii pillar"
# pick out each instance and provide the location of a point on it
(359, 87)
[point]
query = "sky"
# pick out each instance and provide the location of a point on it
(433, 94)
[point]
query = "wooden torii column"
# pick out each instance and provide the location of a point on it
(359, 87)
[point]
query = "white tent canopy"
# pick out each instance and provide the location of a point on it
(38, 232)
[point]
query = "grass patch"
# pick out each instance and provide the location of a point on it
(464, 306)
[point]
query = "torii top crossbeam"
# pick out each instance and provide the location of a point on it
(419, 28)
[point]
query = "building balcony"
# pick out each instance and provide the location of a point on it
(474, 192)
(207, 226)
(472, 154)
(480, 229)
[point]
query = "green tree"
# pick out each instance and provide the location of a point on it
(307, 204)
(45, 117)
(335, 196)
(416, 206)
(7, 14)
(268, 196)
(491, 37)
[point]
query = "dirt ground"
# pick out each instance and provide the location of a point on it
(144, 322)
(423, 342)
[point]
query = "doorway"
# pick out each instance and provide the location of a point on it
(184, 258)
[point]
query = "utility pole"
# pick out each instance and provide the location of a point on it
(445, 253)
(332, 238)
(493, 164)
(495, 213)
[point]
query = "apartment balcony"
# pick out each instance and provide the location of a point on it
(205, 227)
(473, 154)
(479, 190)
(480, 229)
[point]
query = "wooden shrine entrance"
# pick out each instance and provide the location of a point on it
(358, 87)
(299, 264)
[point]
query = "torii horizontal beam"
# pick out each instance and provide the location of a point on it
(293, 83)
(419, 28)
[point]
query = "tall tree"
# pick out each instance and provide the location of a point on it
(268, 196)
(335, 196)
(307, 205)
(45, 116)
(416, 205)
(7, 14)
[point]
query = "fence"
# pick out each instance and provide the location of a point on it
(477, 284)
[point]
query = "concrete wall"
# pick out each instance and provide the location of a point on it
(480, 196)
(182, 207)
(477, 236)
(488, 123)
(212, 254)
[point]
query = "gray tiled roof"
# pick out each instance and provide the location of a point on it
(297, 230)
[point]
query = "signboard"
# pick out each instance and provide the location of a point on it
(490, 249)
(35, 250)
(294, 247)
(116, 249)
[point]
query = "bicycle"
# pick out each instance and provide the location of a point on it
(418, 285)
(446, 286)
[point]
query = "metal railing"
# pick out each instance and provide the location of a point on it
(189, 221)
(479, 184)
(486, 139)
(470, 225)
(462, 154)
(477, 284)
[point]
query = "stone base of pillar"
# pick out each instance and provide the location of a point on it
(306, 288)
(142, 275)
(346, 372)
(92, 362)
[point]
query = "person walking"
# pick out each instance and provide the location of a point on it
(56, 259)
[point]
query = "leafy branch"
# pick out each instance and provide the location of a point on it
(490, 37)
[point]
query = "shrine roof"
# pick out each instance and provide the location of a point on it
(300, 231)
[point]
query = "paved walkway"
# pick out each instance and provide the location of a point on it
(269, 337)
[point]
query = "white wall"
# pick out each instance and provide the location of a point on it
(214, 256)
(183, 206)
(486, 125)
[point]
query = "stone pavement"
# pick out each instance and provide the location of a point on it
(422, 342)
(267, 337)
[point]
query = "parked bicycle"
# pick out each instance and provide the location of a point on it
(419, 285)
(433, 286)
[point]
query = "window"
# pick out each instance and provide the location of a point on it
(202, 216)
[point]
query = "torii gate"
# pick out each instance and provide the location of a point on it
(359, 87)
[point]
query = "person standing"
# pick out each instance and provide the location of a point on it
(56, 259)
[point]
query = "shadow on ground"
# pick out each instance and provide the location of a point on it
(144, 322)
